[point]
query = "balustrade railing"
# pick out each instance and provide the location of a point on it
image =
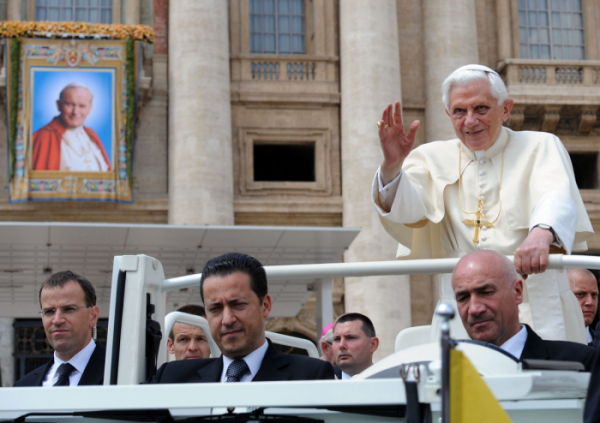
(284, 68)
(265, 70)
(295, 71)
(532, 75)
(569, 75)
(551, 72)
(301, 71)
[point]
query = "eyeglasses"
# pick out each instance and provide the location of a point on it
(48, 313)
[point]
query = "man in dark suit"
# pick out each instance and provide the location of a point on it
(234, 291)
(488, 292)
(69, 315)
(354, 343)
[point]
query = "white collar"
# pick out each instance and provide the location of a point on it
(77, 130)
(588, 334)
(79, 360)
(516, 344)
(493, 150)
(253, 360)
(346, 376)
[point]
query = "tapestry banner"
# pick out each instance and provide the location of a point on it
(74, 130)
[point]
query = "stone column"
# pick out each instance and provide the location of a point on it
(450, 42)
(590, 29)
(504, 29)
(7, 361)
(370, 75)
(200, 158)
(132, 12)
(14, 10)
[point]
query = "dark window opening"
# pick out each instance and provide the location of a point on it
(585, 166)
(284, 162)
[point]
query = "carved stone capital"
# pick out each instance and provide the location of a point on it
(587, 119)
(550, 118)
(516, 118)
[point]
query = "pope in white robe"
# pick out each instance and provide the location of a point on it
(493, 188)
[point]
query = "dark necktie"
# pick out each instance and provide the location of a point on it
(64, 371)
(236, 370)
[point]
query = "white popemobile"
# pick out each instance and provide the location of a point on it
(379, 394)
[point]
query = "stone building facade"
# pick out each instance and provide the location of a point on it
(221, 109)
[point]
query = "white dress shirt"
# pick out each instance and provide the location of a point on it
(590, 338)
(516, 344)
(253, 360)
(79, 361)
(79, 153)
(346, 376)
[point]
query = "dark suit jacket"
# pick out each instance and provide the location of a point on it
(596, 335)
(338, 372)
(591, 412)
(537, 348)
(92, 375)
(275, 366)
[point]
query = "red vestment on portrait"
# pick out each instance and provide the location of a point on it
(46, 145)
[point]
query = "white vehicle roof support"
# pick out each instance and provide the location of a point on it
(134, 278)
(376, 268)
(145, 276)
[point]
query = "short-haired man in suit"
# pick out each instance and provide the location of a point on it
(488, 292)
(188, 342)
(585, 287)
(69, 314)
(234, 291)
(354, 343)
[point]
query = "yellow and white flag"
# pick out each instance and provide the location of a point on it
(471, 401)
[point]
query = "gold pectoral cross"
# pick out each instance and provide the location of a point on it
(478, 223)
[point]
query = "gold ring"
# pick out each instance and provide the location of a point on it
(379, 124)
(386, 126)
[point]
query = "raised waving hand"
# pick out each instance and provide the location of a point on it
(395, 142)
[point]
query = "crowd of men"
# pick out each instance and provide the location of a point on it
(489, 193)
(237, 304)
(487, 289)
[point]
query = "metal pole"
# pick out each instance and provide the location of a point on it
(445, 312)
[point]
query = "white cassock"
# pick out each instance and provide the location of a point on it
(538, 186)
(79, 153)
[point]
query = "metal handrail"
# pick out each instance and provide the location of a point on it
(376, 268)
